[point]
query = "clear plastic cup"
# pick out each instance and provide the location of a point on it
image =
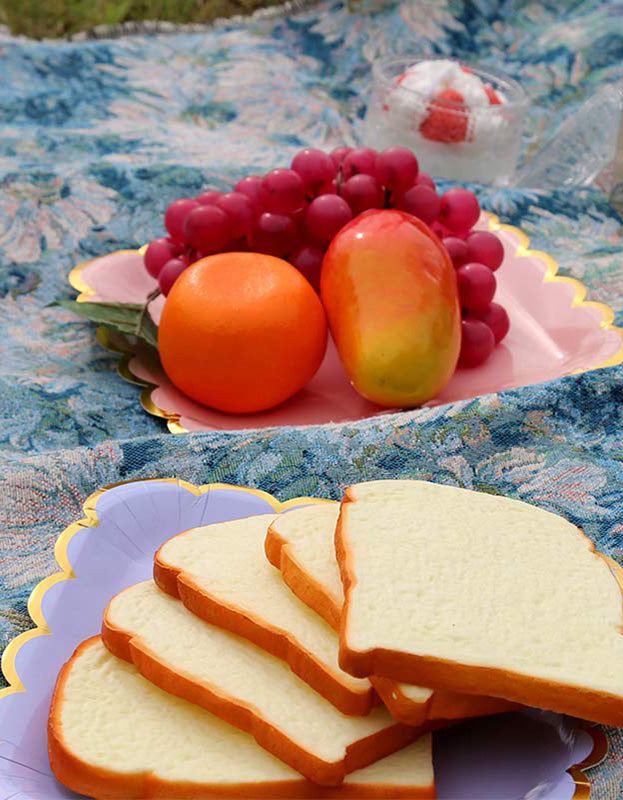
(478, 143)
(582, 150)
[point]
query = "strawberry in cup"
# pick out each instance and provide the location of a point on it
(463, 123)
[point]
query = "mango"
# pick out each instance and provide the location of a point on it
(390, 293)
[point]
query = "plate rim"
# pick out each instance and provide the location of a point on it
(577, 772)
(91, 520)
(119, 345)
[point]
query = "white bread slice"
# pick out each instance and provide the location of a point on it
(112, 734)
(245, 686)
(479, 593)
(301, 544)
(221, 574)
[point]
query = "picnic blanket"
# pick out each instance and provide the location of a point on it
(100, 135)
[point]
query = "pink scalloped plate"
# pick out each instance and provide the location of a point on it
(554, 332)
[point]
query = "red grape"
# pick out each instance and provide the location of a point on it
(170, 273)
(315, 169)
(420, 201)
(175, 217)
(157, 254)
(326, 215)
(308, 260)
(339, 154)
(236, 246)
(327, 188)
(299, 221)
(497, 319)
(251, 186)
(206, 228)
(294, 213)
(424, 179)
(477, 342)
(485, 248)
(274, 234)
(457, 249)
(459, 209)
(282, 191)
(476, 285)
(396, 168)
(239, 210)
(446, 233)
(362, 192)
(361, 160)
(208, 198)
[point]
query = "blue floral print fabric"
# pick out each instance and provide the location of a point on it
(98, 137)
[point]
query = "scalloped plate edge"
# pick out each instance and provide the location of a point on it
(173, 419)
(90, 520)
(580, 290)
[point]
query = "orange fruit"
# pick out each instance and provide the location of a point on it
(241, 332)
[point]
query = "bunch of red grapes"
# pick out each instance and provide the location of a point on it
(295, 213)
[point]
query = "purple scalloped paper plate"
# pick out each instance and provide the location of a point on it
(507, 757)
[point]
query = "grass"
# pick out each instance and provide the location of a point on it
(40, 19)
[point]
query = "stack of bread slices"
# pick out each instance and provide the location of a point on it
(311, 654)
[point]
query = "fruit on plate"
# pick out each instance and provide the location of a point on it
(390, 292)
(294, 213)
(241, 332)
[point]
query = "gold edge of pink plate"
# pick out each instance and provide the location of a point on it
(124, 369)
(76, 278)
(86, 292)
(580, 290)
(173, 419)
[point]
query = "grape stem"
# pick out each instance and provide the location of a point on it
(139, 322)
(339, 179)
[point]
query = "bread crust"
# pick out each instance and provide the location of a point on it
(442, 705)
(600, 707)
(103, 784)
(347, 699)
(308, 590)
(249, 719)
(72, 771)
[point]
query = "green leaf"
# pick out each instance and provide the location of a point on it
(129, 318)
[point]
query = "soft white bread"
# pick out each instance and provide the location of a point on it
(301, 544)
(245, 686)
(112, 734)
(221, 574)
(479, 593)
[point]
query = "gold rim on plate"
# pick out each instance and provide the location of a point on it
(116, 345)
(91, 520)
(577, 771)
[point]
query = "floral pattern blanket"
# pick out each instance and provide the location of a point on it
(99, 136)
